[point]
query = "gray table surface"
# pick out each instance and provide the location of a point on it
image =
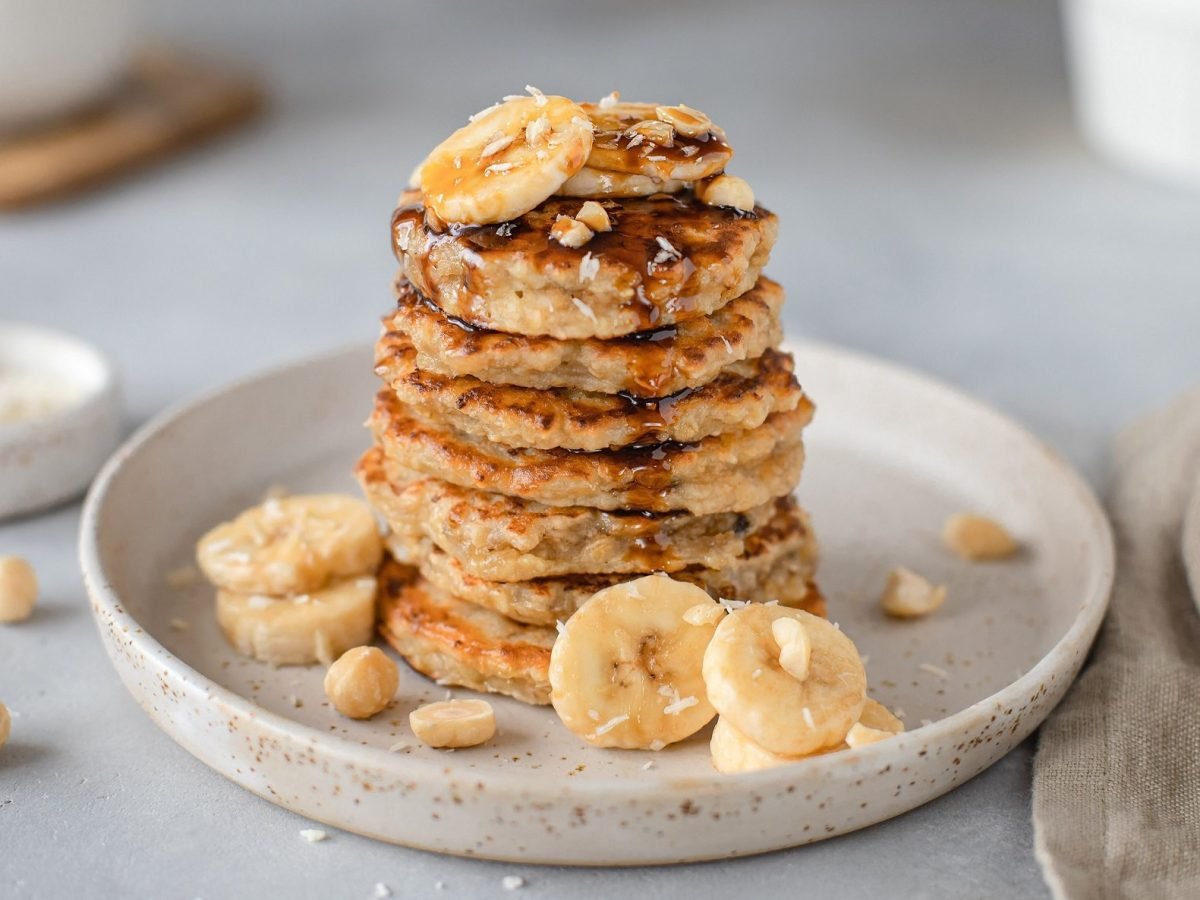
(937, 206)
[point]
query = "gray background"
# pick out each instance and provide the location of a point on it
(938, 208)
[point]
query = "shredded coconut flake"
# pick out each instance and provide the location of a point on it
(756, 674)
(583, 307)
(674, 709)
(589, 267)
(609, 101)
(898, 713)
(657, 745)
(808, 717)
(398, 747)
(482, 112)
(731, 605)
(934, 670)
(648, 766)
(539, 99)
(667, 246)
(512, 882)
(382, 891)
(257, 601)
(610, 725)
(691, 150)
(925, 722)
(497, 169)
(559, 626)
(495, 145)
(635, 140)
(313, 835)
(180, 624)
(593, 715)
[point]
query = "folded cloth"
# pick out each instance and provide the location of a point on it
(1116, 780)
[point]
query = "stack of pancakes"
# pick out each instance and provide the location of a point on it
(559, 419)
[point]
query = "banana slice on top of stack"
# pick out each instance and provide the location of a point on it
(295, 577)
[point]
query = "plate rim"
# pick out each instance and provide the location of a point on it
(1084, 626)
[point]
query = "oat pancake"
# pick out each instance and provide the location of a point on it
(668, 259)
(459, 643)
(649, 364)
(740, 397)
(778, 564)
(725, 473)
(507, 539)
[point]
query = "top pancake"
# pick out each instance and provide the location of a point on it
(650, 364)
(668, 259)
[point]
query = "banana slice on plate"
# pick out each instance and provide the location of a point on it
(625, 669)
(589, 182)
(661, 142)
(507, 160)
(733, 752)
(292, 545)
(300, 630)
(764, 701)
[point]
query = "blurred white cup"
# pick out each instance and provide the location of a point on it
(57, 56)
(1136, 71)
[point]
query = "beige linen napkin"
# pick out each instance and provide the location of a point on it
(1116, 781)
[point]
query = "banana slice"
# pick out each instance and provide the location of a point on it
(733, 752)
(656, 141)
(300, 630)
(454, 723)
(625, 669)
(589, 182)
(507, 160)
(779, 712)
(292, 545)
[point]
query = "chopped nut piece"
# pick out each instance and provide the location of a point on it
(907, 595)
(659, 133)
(18, 589)
(860, 735)
(685, 120)
(5, 724)
(570, 232)
(795, 647)
(454, 723)
(726, 190)
(978, 538)
(594, 216)
(183, 578)
(362, 682)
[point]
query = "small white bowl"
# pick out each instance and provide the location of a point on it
(1135, 65)
(49, 458)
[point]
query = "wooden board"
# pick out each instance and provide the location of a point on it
(167, 103)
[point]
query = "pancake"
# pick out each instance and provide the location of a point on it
(778, 564)
(668, 259)
(731, 472)
(506, 539)
(649, 364)
(459, 643)
(740, 397)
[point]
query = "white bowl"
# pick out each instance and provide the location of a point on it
(59, 55)
(50, 458)
(1136, 71)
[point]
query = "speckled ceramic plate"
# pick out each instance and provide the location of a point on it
(891, 454)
